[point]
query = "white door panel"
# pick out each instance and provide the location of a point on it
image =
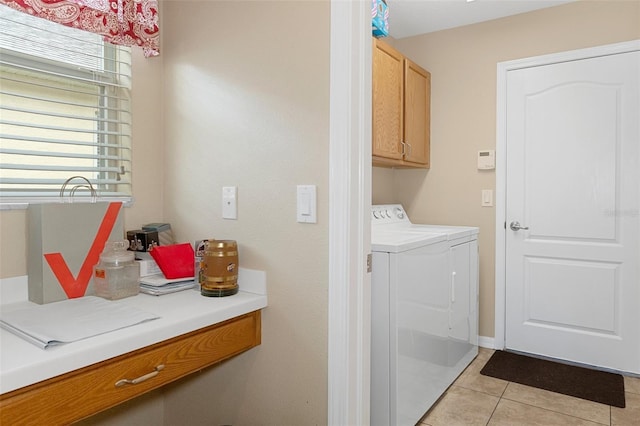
(573, 160)
(572, 126)
(592, 286)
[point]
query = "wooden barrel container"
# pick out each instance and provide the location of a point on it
(220, 268)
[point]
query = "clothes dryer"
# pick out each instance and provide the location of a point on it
(424, 312)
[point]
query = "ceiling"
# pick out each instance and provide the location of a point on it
(413, 17)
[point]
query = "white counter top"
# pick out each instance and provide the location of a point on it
(23, 364)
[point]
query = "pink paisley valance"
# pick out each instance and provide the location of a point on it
(123, 22)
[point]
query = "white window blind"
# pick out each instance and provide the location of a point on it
(64, 111)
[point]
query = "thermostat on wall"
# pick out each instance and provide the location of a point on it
(487, 159)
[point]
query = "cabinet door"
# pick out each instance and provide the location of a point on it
(387, 101)
(417, 113)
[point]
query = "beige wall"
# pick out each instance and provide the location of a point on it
(463, 64)
(247, 104)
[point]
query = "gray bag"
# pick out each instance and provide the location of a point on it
(64, 244)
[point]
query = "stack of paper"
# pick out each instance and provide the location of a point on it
(158, 285)
(71, 320)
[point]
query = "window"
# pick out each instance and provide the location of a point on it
(64, 111)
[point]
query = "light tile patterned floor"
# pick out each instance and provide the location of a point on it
(475, 399)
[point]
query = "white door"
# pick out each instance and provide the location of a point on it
(572, 273)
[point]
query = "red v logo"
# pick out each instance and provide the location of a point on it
(76, 287)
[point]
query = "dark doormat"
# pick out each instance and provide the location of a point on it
(593, 385)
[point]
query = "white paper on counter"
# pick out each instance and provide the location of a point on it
(158, 280)
(71, 320)
(167, 288)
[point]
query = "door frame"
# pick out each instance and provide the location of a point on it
(501, 160)
(349, 298)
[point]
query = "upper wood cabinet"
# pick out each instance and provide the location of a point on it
(401, 109)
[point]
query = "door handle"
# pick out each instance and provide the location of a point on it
(515, 226)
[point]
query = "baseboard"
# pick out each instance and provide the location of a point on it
(487, 342)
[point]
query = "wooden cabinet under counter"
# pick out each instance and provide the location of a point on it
(72, 381)
(401, 109)
(89, 390)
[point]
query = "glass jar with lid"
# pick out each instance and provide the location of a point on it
(117, 274)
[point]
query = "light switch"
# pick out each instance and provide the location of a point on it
(230, 202)
(487, 198)
(306, 204)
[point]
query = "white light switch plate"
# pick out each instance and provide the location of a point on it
(487, 198)
(306, 204)
(230, 202)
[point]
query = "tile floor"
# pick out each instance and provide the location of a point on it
(475, 399)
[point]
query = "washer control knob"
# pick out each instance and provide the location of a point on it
(399, 213)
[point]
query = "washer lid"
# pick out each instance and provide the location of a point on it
(397, 241)
(453, 232)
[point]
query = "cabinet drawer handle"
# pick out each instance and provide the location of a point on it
(141, 378)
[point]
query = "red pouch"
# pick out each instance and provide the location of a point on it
(175, 261)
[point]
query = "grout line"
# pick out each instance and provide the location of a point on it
(559, 412)
(498, 403)
(548, 409)
(493, 411)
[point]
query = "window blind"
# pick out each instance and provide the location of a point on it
(65, 110)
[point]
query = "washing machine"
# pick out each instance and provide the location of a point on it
(424, 312)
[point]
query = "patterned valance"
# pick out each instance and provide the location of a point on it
(122, 22)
